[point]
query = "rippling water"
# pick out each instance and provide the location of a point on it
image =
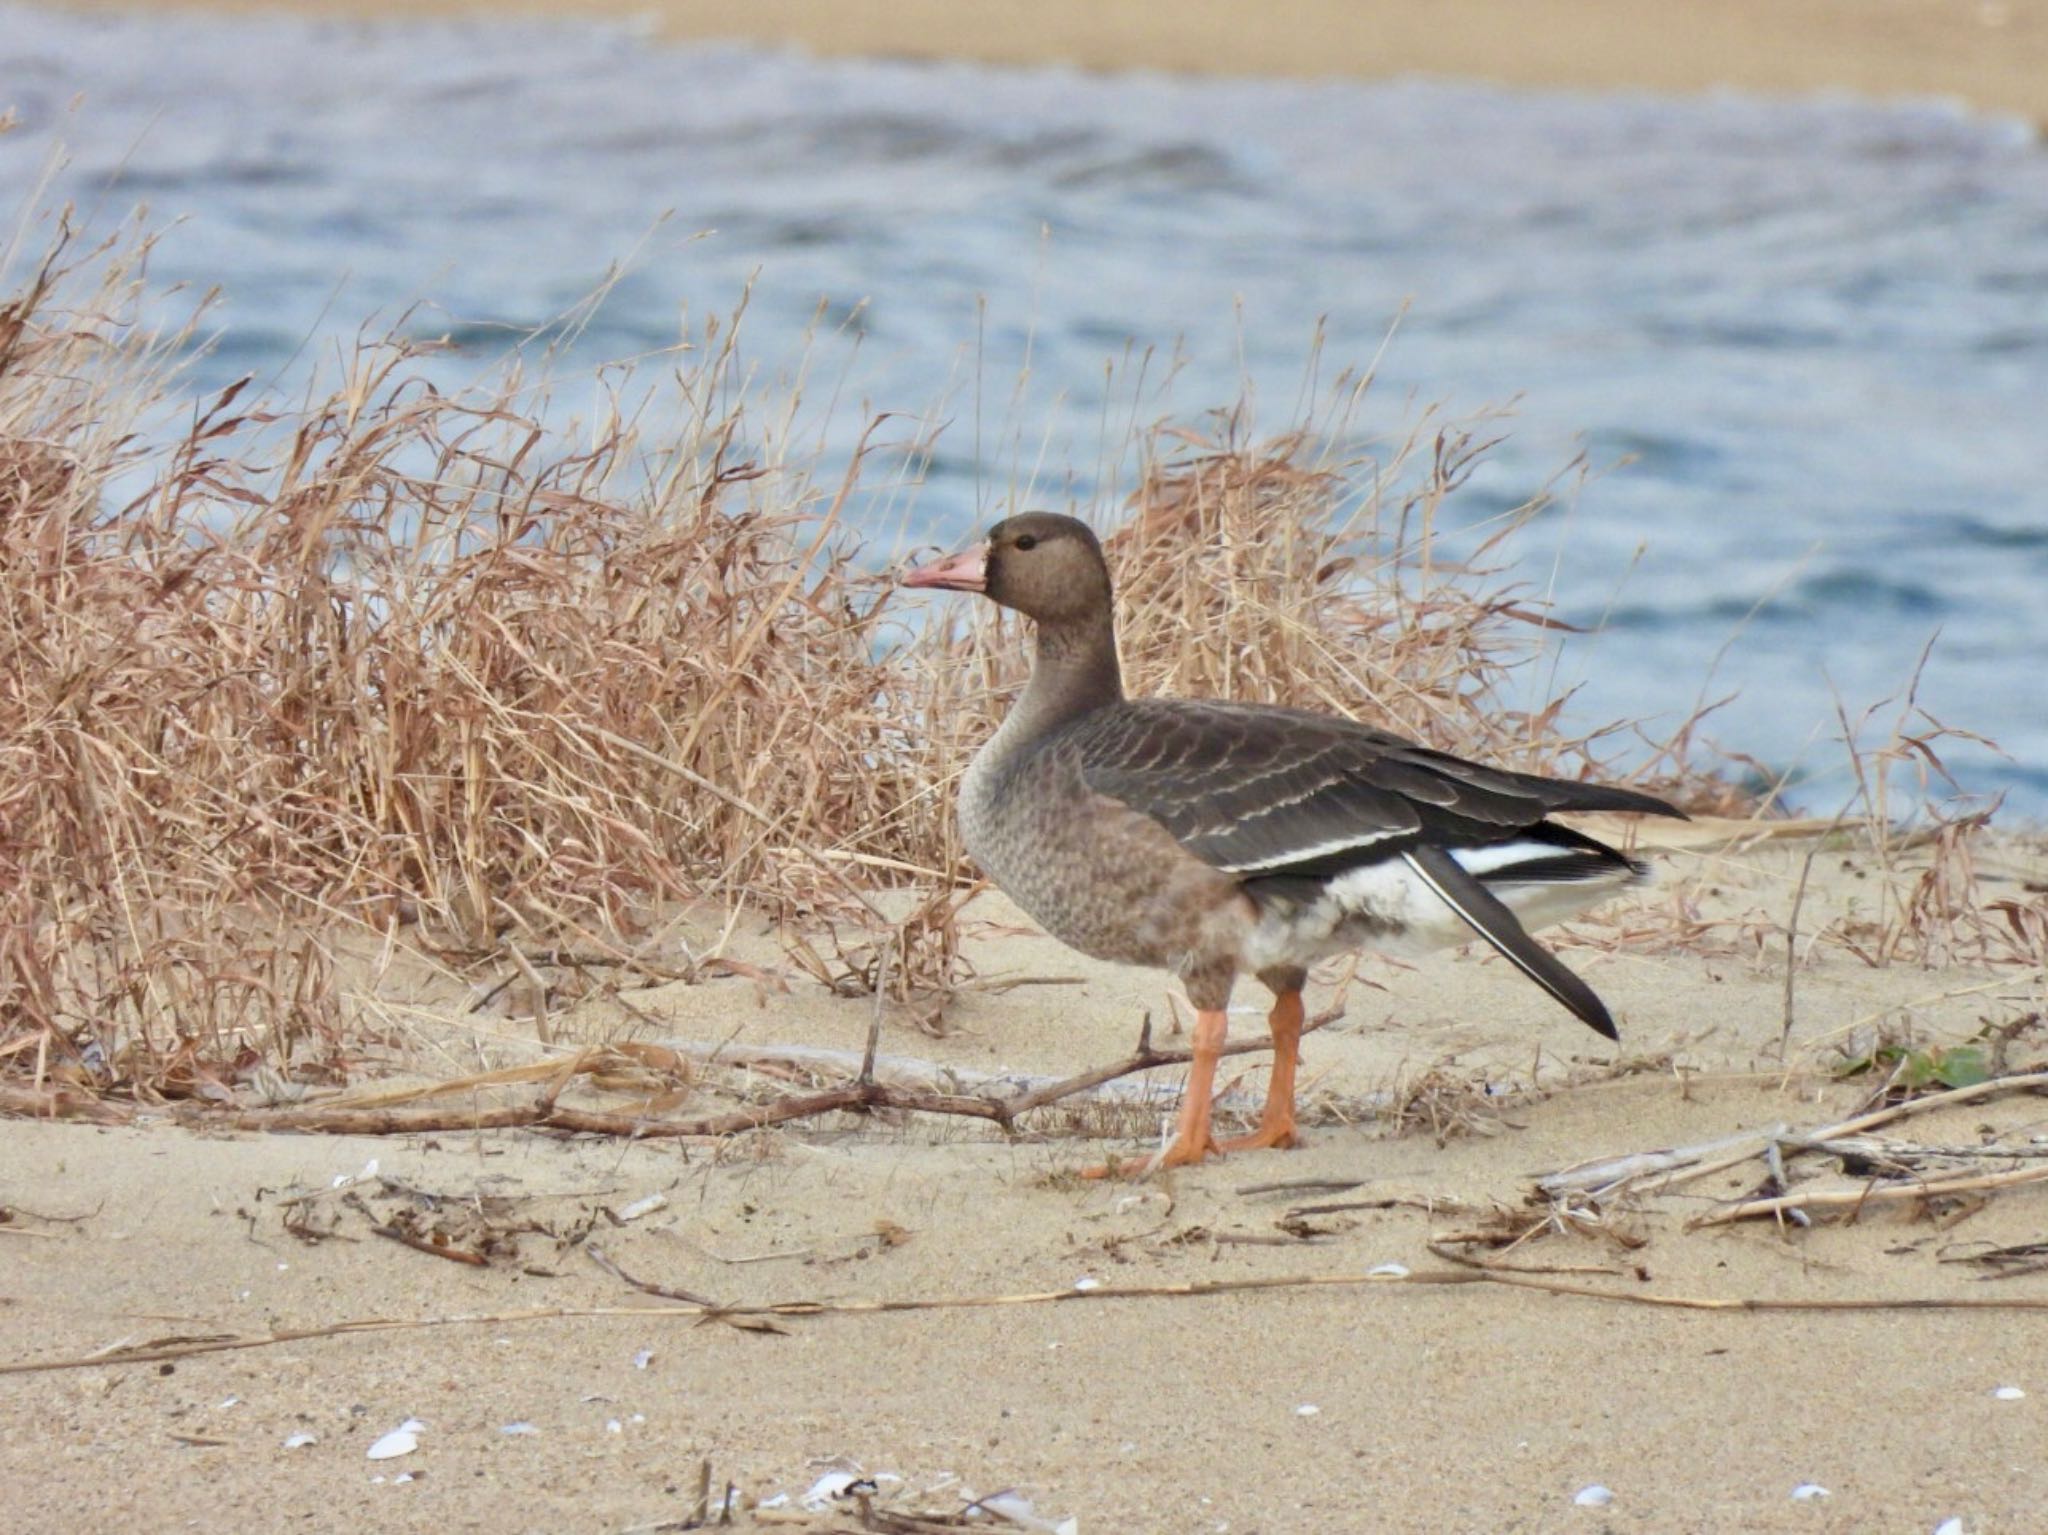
(1819, 328)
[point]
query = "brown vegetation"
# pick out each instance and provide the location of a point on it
(425, 669)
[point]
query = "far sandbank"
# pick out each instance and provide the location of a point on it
(1991, 54)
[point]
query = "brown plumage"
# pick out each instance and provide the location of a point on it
(1212, 838)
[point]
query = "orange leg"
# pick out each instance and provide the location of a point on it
(1191, 1140)
(1276, 1123)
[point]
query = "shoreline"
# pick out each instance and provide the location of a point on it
(1991, 55)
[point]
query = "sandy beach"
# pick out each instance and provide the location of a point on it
(1992, 54)
(1806, 1290)
(574, 1401)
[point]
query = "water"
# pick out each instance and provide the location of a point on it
(1820, 327)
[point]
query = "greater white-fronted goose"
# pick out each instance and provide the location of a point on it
(1210, 838)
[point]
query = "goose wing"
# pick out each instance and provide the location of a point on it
(1263, 791)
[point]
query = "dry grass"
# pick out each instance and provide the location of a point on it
(428, 669)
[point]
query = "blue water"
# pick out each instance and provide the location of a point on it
(1817, 328)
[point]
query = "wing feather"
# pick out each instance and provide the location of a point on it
(1267, 791)
(1491, 920)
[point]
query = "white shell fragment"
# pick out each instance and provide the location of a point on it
(1949, 1527)
(343, 1180)
(402, 1440)
(300, 1440)
(1810, 1492)
(1595, 1496)
(832, 1484)
(640, 1207)
(518, 1429)
(1088, 1282)
(643, 1359)
(1307, 1410)
(1388, 1271)
(2010, 1394)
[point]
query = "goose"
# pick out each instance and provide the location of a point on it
(1215, 839)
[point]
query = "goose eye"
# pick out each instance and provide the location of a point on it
(1027, 541)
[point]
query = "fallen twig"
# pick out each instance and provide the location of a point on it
(1878, 1193)
(61, 1103)
(1144, 1058)
(2008, 1262)
(1466, 1271)
(1429, 1204)
(604, 1261)
(1304, 1186)
(421, 1244)
(853, 1096)
(1873, 1149)
(1603, 1179)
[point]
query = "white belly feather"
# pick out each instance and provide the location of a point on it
(1388, 907)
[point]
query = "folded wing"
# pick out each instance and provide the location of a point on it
(1264, 791)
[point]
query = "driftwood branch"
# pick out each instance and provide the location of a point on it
(861, 1095)
(1657, 1171)
(61, 1103)
(1871, 1194)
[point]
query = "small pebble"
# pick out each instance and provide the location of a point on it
(1595, 1496)
(2010, 1394)
(1810, 1492)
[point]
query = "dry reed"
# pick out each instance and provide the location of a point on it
(1462, 1271)
(391, 660)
